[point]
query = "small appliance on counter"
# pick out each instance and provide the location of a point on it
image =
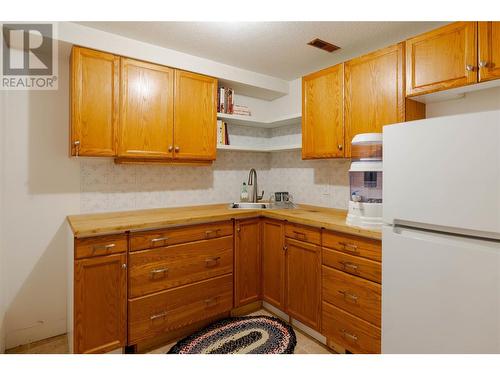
(281, 199)
(365, 175)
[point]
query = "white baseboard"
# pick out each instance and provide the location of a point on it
(36, 333)
(309, 331)
(275, 311)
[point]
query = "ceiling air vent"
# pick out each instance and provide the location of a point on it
(325, 46)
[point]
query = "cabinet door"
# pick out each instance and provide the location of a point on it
(374, 92)
(441, 59)
(323, 113)
(247, 262)
(94, 102)
(303, 282)
(195, 116)
(100, 304)
(273, 263)
(489, 51)
(146, 123)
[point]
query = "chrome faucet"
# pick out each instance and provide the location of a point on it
(252, 181)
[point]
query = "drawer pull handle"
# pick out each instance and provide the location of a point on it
(212, 261)
(299, 235)
(349, 247)
(159, 239)
(159, 271)
(208, 233)
(104, 247)
(211, 302)
(349, 296)
(350, 336)
(158, 316)
(349, 265)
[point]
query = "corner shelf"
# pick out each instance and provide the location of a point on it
(260, 123)
(259, 148)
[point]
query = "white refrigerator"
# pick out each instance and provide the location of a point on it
(441, 235)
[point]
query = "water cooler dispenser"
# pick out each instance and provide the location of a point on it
(365, 175)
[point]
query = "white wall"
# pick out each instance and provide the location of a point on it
(476, 101)
(41, 186)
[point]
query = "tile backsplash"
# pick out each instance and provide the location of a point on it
(317, 182)
(106, 186)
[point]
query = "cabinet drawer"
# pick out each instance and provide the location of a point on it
(363, 247)
(175, 308)
(353, 294)
(303, 233)
(157, 269)
(172, 236)
(101, 245)
(365, 268)
(352, 333)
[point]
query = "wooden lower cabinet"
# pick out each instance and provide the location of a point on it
(350, 332)
(180, 277)
(100, 303)
(351, 292)
(175, 308)
(247, 265)
(167, 267)
(353, 265)
(273, 262)
(303, 282)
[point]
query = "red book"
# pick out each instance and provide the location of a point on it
(226, 135)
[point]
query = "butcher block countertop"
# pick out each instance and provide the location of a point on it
(117, 222)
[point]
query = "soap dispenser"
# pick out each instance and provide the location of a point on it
(244, 193)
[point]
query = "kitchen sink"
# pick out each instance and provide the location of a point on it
(249, 205)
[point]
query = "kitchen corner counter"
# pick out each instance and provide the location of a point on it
(117, 222)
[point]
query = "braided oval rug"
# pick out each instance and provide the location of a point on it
(243, 335)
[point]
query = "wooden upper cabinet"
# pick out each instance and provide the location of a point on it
(489, 50)
(374, 92)
(273, 262)
(323, 113)
(442, 59)
(195, 118)
(147, 112)
(303, 282)
(100, 304)
(247, 280)
(94, 102)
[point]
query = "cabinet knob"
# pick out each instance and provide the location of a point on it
(77, 147)
(170, 148)
(177, 149)
(124, 265)
(469, 68)
(340, 147)
(285, 248)
(483, 64)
